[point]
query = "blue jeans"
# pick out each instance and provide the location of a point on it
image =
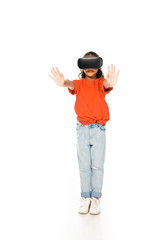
(91, 148)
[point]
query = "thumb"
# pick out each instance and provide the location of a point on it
(62, 75)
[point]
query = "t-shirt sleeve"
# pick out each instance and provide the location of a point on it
(77, 87)
(107, 90)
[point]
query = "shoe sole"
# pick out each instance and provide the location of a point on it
(82, 212)
(94, 213)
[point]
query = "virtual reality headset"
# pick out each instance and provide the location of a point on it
(90, 62)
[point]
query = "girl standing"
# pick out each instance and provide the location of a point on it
(92, 114)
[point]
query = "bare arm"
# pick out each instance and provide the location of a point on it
(69, 84)
(59, 79)
(105, 84)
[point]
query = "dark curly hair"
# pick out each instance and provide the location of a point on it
(99, 72)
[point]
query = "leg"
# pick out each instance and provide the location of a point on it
(84, 160)
(98, 150)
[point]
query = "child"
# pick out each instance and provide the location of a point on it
(92, 114)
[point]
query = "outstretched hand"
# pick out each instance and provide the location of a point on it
(112, 76)
(57, 76)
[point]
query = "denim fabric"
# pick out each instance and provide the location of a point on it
(91, 149)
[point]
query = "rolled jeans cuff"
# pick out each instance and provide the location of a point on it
(96, 194)
(86, 194)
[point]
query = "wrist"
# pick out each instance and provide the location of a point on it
(106, 84)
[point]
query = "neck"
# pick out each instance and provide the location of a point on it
(90, 78)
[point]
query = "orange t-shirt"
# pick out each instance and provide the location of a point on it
(90, 105)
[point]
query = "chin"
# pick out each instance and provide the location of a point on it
(90, 75)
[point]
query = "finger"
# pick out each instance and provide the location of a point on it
(108, 69)
(62, 75)
(118, 73)
(112, 68)
(53, 71)
(50, 76)
(58, 70)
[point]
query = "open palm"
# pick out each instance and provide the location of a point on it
(112, 76)
(57, 76)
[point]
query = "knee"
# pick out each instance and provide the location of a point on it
(96, 168)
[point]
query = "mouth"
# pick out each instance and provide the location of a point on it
(89, 71)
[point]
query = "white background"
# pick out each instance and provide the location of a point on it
(39, 175)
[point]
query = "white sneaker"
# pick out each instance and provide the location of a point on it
(95, 206)
(85, 204)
